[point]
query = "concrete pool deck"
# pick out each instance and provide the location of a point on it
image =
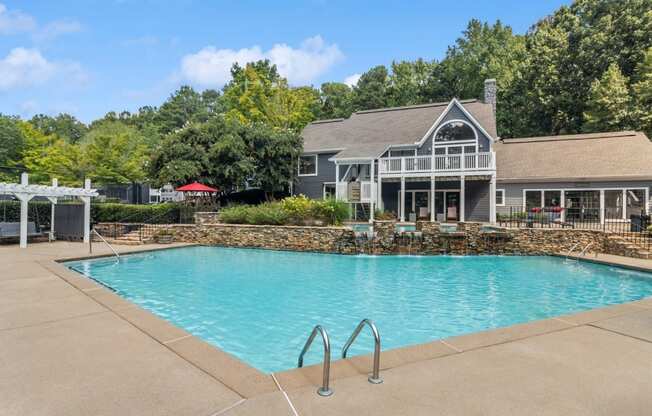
(72, 347)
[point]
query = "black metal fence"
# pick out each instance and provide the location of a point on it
(632, 225)
(142, 231)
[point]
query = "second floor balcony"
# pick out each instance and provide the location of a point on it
(469, 162)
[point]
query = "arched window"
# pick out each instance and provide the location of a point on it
(455, 131)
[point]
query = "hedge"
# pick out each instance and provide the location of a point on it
(38, 212)
(296, 210)
(158, 213)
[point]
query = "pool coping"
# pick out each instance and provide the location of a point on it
(249, 382)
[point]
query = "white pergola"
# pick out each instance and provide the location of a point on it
(24, 192)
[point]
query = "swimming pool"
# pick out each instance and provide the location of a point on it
(260, 305)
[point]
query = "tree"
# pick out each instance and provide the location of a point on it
(274, 153)
(65, 126)
(371, 90)
(12, 143)
(114, 153)
(257, 94)
(229, 154)
(643, 94)
(335, 99)
(609, 105)
(408, 82)
(183, 107)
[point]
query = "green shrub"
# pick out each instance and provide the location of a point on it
(37, 211)
(270, 213)
(298, 208)
(649, 229)
(330, 210)
(234, 214)
(293, 210)
(159, 213)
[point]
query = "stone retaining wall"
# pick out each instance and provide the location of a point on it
(470, 238)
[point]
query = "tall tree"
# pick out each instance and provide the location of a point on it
(609, 105)
(12, 143)
(335, 99)
(371, 90)
(63, 125)
(643, 94)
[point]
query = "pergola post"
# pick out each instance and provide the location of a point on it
(24, 213)
(53, 201)
(87, 212)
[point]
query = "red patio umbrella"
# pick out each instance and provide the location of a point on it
(196, 187)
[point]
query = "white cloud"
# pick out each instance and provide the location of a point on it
(211, 66)
(12, 21)
(57, 28)
(28, 67)
(352, 80)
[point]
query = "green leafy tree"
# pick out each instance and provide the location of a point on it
(114, 153)
(335, 99)
(274, 152)
(371, 90)
(183, 107)
(408, 82)
(609, 105)
(63, 125)
(643, 94)
(12, 143)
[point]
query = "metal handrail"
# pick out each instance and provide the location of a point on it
(324, 390)
(374, 378)
(90, 243)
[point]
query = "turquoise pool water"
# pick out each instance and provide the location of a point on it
(260, 305)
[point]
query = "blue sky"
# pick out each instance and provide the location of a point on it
(89, 57)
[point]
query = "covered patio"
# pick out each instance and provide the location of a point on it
(25, 192)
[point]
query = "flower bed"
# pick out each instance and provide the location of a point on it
(295, 210)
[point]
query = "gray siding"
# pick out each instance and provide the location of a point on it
(476, 204)
(312, 186)
(514, 191)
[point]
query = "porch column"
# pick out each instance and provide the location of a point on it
(87, 212)
(381, 206)
(492, 199)
(601, 206)
(337, 181)
(372, 191)
(462, 198)
(563, 205)
(432, 197)
(401, 209)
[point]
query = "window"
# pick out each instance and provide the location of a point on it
(532, 200)
(500, 197)
(402, 153)
(551, 199)
(636, 202)
(455, 131)
(329, 190)
(308, 165)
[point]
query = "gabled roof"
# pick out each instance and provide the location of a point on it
(367, 134)
(598, 156)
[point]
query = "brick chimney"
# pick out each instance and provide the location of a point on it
(490, 90)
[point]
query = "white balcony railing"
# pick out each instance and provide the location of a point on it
(439, 163)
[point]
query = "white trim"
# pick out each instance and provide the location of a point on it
(321, 151)
(316, 156)
(502, 191)
(456, 143)
(454, 101)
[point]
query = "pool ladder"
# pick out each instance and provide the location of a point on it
(325, 390)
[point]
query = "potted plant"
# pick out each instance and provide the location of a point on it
(164, 237)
